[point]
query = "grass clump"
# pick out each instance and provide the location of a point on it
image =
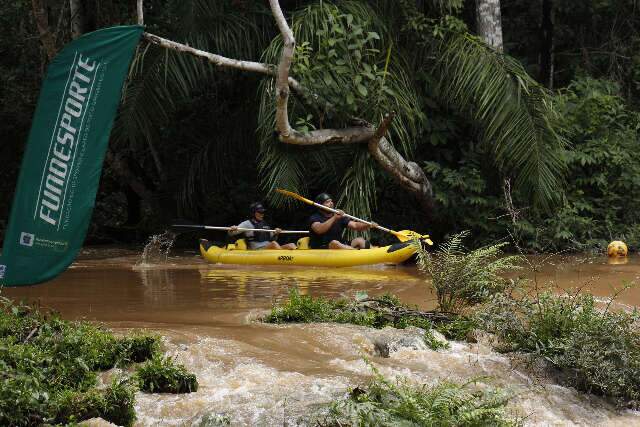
(463, 279)
(115, 404)
(163, 375)
(48, 368)
(383, 403)
(597, 351)
(307, 309)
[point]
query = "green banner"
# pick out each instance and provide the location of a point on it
(63, 159)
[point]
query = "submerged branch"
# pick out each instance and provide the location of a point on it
(393, 312)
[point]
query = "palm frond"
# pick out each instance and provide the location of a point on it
(160, 79)
(515, 113)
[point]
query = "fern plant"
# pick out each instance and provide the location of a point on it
(461, 278)
(447, 403)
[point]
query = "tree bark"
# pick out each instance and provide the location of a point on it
(489, 22)
(139, 11)
(42, 22)
(546, 44)
(76, 10)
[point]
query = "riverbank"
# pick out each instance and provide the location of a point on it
(254, 374)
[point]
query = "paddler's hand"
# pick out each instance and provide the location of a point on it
(277, 231)
(339, 213)
(373, 225)
(233, 228)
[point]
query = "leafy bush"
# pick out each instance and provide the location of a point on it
(307, 309)
(48, 368)
(114, 404)
(445, 404)
(596, 351)
(163, 375)
(464, 279)
(458, 329)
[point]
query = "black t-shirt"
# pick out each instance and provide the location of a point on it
(317, 241)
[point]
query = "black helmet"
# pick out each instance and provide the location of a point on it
(323, 197)
(257, 207)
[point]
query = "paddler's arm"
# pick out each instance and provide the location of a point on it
(322, 227)
(361, 226)
(275, 233)
(234, 228)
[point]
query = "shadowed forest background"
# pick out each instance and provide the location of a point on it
(194, 142)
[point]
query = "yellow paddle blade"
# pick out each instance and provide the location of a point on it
(294, 195)
(405, 235)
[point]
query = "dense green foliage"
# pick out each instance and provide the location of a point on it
(596, 351)
(163, 375)
(384, 403)
(49, 369)
(565, 137)
(462, 279)
(307, 309)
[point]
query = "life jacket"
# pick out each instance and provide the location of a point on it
(259, 236)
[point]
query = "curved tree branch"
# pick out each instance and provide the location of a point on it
(408, 174)
(286, 133)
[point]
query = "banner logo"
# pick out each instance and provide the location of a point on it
(26, 239)
(64, 139)
(3, 269)
(63, 159)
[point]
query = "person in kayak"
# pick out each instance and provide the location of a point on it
(259, 239)
(325, 228)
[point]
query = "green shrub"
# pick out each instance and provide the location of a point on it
(463, 279)
(596, 351)
(138, 348)
(458, 329)
(163, 375)
(114, 404)
(445, 404)
(307, 309)
(48, 368)
(24, 399)
(119, 403)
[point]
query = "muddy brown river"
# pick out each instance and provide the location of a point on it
(261, 374)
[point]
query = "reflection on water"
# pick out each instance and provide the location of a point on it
(264, 374)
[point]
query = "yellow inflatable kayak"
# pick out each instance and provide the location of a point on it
(238, 254)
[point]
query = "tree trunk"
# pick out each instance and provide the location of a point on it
(489, 22)
(42, 22)
(76, 10)
(546, 44)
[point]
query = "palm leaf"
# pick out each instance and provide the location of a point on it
(515, 113)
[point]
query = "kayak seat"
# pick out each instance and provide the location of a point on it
(303, 243)
(239, 245)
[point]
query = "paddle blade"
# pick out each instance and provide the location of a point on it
(405, 235)
(294, 195)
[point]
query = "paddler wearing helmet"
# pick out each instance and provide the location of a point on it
(259, 239)
(325, 227)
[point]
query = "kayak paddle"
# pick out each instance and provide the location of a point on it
(403, 235)
(211, 227)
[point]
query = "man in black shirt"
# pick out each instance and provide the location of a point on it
(325, 228)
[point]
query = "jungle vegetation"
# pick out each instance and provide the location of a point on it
(536, 138)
